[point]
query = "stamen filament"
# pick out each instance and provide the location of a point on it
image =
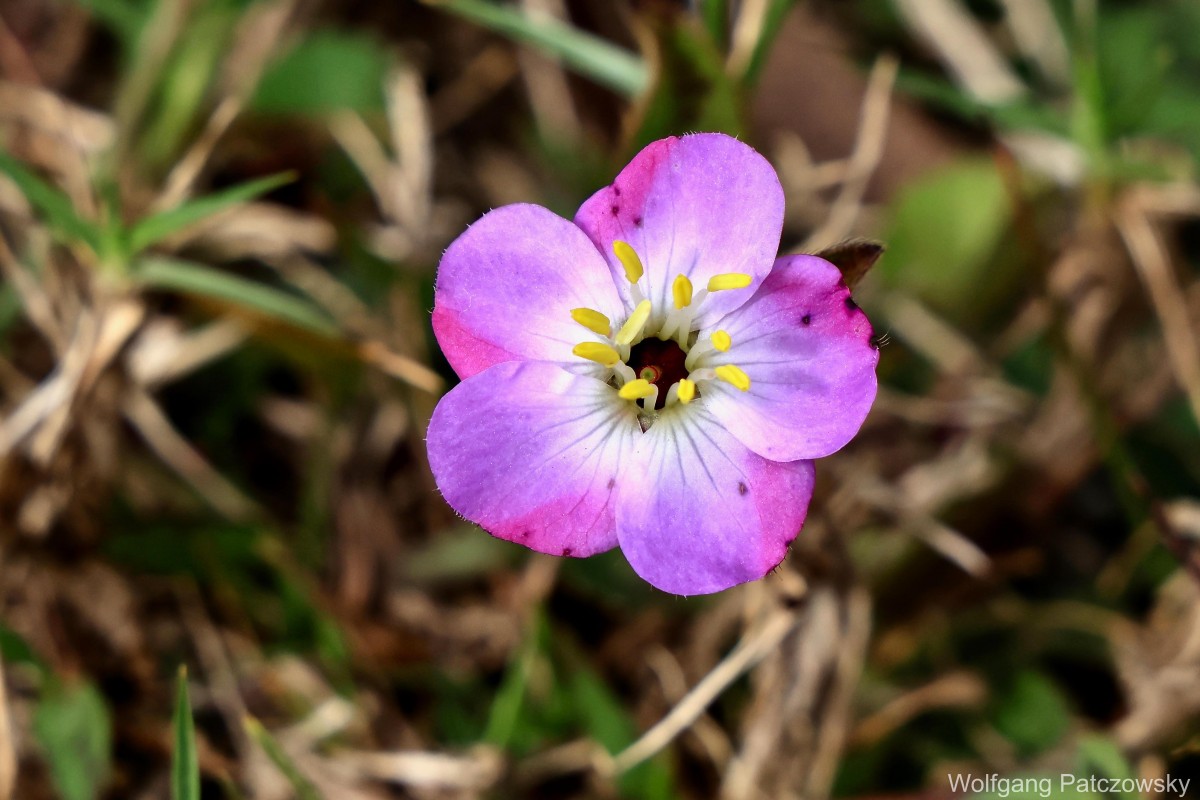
(633, 326)
(734, 376)
(698, 352)
(598, 352)
(592, 320)
(719, 341)
(650, 400)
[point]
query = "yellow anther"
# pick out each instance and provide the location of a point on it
(687, 391)
(629, 260)
(729, 280)
(682, 290)
(592, 320)
(637, 389)
(633, 326)
(721, 341)
(595, 351)
(734, 376)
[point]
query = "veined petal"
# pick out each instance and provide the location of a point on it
(507, 286)
(807, 349)
(697, 206)
(534, 455)
(700, 512)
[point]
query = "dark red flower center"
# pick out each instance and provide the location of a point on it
(660, 362)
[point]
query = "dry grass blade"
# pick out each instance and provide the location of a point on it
(54, 395)
(944, 346)
(799, 720)
(354, 136)
(948, 27)
(474, 772)
(705, 729)
(1154, 268)
(258, 37)
(163, 354)
(480, 80)
(8, 749)
(868, 149)
(412, 140)
(400, 367)
(183, 176)
(747, 33)
(117, 323)
(549, 92)
(1037, 33)
(953, 546)
(751, 650)
(953, 690)
(175, 451)
(34, 300)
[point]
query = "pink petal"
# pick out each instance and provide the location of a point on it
(807, 349)
(700, 205)
(506, 287)
(534, 455)
(701, 513)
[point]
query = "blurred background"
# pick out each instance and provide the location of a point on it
(220, 222)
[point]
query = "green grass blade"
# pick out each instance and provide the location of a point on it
(53, 204)
(505, 713)
(776, 11)
(73, 726)
(204, 281)
(588, 55)
(155, 228)
(126, 19)
(304, 790)
(185, 765)
(715, 14)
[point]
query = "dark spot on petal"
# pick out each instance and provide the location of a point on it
(637, 222)
(567, 551)
(616, 210)
(806, 319)
(850, 304)
(612, 482)
(875, 341)
(616, 190)
(742, 488)
(524, 534)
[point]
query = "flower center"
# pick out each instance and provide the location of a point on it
(658, 360)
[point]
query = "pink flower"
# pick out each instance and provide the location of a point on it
(648, 376)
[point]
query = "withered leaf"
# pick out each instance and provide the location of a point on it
(854, 257)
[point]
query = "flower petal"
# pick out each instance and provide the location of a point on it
(700, 205)
(533, 454)
(506, 288)
(700, 512)
(808, 351)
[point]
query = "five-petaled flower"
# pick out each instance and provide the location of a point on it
(649, 375)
